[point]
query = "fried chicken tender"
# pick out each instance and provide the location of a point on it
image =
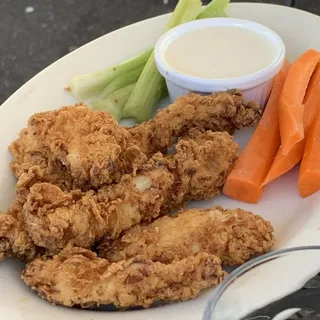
(55, 219)
(222, 111)
(76, 147)
(198, 170)
(90, 146)
(234, 236)
(77, 277)
(14, 238)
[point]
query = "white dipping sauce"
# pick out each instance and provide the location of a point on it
(220, 53)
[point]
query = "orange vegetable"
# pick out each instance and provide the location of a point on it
(309, 176)
(291, 108)
(312, 100)
(244, 181)
(285, 162)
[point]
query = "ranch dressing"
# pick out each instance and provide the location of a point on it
(222, 52)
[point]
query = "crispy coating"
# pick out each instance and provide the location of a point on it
(55, 218)
(77, 277)
(234, 236)
(202, 163)
(34, 175)
(90, 147)
(76, 147)
(222, 111)
(14, 239)
(198, 169)
(33, 162)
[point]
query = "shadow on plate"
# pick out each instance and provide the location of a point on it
(113, 308)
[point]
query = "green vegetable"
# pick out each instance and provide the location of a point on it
(221, 14)
(121, 81)
(185, 11)
(150, 84)
(146, 93)
(215, 8)
(115, 102)
(89, 85)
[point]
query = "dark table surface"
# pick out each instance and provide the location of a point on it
(35, 33)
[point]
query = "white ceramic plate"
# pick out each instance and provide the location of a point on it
(296, 221)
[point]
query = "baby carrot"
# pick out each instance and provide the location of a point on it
(284, 162)
(309, 175)
(244, 181)
(291, 100)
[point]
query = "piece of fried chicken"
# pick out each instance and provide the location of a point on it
(14, 238)
(222, 111)
(77, 277)
(234, 236)
(76, 147)
(196, 171)
(75, 144)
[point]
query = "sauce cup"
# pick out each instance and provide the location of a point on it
(255, 86)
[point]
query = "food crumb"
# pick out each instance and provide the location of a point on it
(29, 9)
(67, 89)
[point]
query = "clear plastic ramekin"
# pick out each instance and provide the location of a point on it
(255, 86)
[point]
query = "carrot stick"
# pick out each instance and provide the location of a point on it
(291, 100)
(309, 175)
(285, 162)
(312, 100)
(244, 181)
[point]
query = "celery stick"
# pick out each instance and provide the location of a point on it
(214, 9)
(115, 102)
(221, 14)
(89, 85)
(150, 84)
(146, 93)
(185, 11)
(121, 81)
